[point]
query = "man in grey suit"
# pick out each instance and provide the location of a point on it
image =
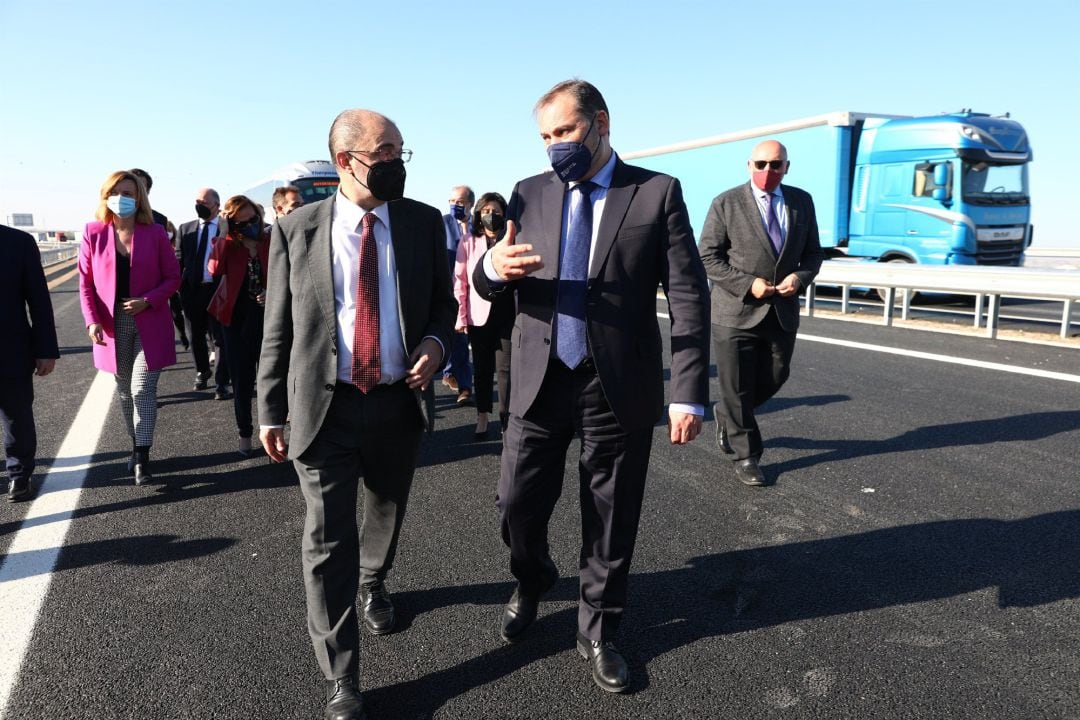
(358, 314)
(760, 247)
(586, 249)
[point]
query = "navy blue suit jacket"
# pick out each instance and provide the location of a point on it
(23, 288)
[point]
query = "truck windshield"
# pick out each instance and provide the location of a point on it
(316, 189)
(987, 184)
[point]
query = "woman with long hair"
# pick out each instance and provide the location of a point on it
(127, 272)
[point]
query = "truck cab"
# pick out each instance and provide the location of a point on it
(946, 190)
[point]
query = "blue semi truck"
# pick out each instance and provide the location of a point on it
(944, 189)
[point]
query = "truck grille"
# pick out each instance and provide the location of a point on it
(999, 252)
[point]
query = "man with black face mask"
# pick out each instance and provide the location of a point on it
(760, 247)
(586, 248)
(197, 286)
(357, 319)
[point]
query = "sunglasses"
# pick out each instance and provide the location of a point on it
(773, 164)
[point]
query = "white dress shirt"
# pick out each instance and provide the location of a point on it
(779, 207)
(345, 259)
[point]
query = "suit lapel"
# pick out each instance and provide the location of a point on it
(552, 202)
(319, 264)
(401, 230)
(792, 213)
(616, 204)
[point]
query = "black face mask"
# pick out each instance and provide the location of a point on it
(385, 179)
(202, 211)
(493, 223)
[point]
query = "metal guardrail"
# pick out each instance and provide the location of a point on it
(987, 284)
(52, 256)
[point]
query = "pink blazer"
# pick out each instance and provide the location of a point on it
(472, 309)
(155, 275)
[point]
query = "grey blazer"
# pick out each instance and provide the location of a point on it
(644, 241)
(298, 364)
(735, 249)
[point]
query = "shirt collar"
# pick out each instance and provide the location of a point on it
(349, 214)
(603, 176)
(760, 194)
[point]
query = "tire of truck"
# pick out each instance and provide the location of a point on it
(898, 298)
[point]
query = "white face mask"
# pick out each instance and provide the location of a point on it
(121, 205)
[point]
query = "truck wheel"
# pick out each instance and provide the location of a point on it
(898, 298)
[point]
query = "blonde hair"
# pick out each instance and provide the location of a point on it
(143, 214)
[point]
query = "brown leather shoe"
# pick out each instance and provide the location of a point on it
(450, 381)
(464, 397)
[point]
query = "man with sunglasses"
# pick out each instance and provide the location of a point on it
(358, 316)
(760, 248)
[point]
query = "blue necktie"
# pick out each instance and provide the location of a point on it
(570, 337)
(773, 226)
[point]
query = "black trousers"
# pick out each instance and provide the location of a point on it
(491, 357)
(375, 437)
(612, 465)
(17, 419)
(751, 366)
(177, 309)
(243, 343)
(195, 299)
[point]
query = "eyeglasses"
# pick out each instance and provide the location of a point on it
(387, 153)
(773, 164)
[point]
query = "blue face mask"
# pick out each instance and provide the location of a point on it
(571, 160)
(121, 206)
(458, 212)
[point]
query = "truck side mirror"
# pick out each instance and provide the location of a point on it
(943, 181)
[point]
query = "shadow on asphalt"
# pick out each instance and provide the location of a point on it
(1015, 428)
(1029, 562)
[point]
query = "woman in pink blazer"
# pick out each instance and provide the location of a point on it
(487, 323)
(127, 272)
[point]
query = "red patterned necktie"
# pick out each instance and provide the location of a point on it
(366, 362)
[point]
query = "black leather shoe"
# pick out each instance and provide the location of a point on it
(520, 612)
(201, 380)
(748, 472)
(377, 609)
(19, 489)
(222, 394)
(343, 701)
(609, 669)
(722, 441)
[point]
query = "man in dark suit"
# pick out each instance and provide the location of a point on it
(358, 316)
(760, 247)
(586, 249)
(30, 349)
(197, 286)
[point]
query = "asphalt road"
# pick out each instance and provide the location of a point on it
(916, 555)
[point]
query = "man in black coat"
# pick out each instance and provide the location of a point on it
(30, 349)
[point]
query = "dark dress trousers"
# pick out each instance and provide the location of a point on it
(339, 434)
(195, 296)
(26, 324)
(612, 400)
(754, 339)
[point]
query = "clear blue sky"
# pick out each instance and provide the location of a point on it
(221, 94)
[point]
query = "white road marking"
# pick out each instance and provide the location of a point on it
(1016, 369)
(27, 569)
(938, 358)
